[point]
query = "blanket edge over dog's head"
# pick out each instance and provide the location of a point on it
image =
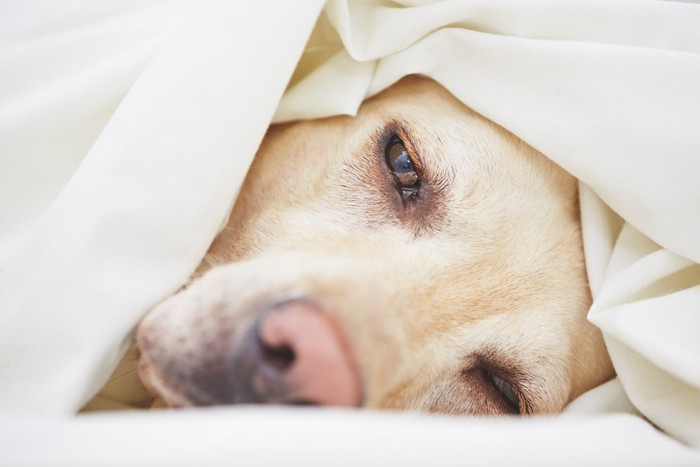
(611, 100)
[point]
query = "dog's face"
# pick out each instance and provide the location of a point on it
(416, 256)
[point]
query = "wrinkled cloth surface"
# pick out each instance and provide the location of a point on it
(126, 128)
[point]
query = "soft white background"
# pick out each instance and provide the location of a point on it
(127, 126)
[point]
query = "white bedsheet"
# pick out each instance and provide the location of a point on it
(127, 126)
(310, 438)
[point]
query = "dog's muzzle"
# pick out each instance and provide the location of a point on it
(293, 353)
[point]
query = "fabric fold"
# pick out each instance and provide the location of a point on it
(141, 210)
(608, 90)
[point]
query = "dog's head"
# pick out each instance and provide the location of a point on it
(416, 256)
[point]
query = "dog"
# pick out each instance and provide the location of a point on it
(414, 257)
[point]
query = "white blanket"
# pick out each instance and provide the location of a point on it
(126, 128)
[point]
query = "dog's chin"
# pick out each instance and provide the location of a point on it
(163, 393)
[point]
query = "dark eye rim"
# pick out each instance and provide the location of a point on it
(394, 134)
(509, 393)
(488, 369)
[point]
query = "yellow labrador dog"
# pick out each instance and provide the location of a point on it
(414, 257)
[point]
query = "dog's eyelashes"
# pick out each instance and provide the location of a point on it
(402, 166)
(507, 391)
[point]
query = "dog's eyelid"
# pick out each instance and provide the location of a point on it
(508, 391)
(503, 380)
(402, 161)
(404, 136)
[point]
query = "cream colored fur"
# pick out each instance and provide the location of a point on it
(484, 268)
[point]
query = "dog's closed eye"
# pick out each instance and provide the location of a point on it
(506, 391)
(499, 387)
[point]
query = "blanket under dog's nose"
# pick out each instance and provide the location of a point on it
(608, 90)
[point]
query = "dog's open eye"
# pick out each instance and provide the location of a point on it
(508, 392)
(402, 166)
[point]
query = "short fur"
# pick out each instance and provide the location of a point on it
(483, 272)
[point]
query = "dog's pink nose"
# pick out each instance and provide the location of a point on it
(300, 357)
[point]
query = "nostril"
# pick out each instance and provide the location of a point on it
(279, 357)
(295, 353)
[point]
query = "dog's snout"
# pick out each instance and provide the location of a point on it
(296, 354)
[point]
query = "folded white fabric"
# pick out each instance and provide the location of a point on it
(607, 89)
(138, 214)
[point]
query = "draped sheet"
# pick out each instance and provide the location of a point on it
(126, 128)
